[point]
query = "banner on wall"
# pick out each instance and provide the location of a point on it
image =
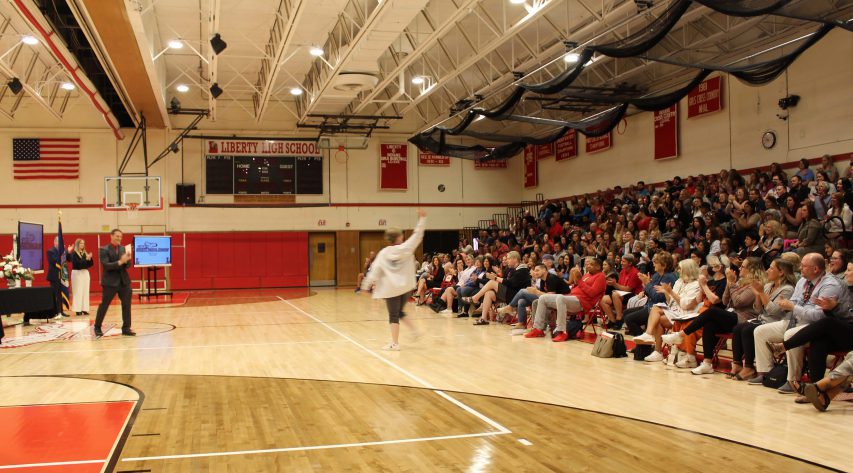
(545, 151)
(666, 133)
(429, 159)
(393, 166)
(567, 146)
(531, 174)
(600, 143)
(706, 98)
(493, 164)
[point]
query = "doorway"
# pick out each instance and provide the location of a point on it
(321, 259)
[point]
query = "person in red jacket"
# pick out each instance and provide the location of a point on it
(586, 293)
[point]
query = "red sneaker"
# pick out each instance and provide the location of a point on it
(560, 337)
(535, 333)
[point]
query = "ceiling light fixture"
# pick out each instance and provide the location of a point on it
(516, 2)
(215, 90)
(316, 51)
(68, 86)
(182, 88)
(28, 39)
(572, 58)
(176, 44)
(417, 80)
(296, 91)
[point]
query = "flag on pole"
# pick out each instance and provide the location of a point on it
(62, 270)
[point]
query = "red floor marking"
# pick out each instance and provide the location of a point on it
(61, 433)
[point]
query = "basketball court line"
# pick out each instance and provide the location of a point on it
(165, 347)
(501, 429)
(312, 447)
(37, 465)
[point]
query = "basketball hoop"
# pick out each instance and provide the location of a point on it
(132, 210)
(341, 154)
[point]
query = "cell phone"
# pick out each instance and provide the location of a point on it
(476, 244)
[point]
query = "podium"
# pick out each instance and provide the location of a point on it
(151, 280)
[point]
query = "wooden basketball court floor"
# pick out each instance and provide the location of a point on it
(294, 380)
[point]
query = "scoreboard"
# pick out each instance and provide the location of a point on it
(251, 167)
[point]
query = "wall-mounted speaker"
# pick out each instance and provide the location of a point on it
(185, 194)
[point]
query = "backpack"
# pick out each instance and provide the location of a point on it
(574, 328)
(619, 349)
(776, 377)
(642, 351)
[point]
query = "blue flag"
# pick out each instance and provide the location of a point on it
(62, 269)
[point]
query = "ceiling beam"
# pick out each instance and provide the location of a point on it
(281, 37)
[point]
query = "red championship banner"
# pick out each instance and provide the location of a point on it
(545, 151)
(493, 164)
(429, 159)
(666, 133)
(531, 167)
(706, 98)
(567, 146)
(601, 143)
(393, 166)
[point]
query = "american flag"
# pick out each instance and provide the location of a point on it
(46, 158)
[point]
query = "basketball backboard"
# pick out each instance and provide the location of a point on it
(141, 192)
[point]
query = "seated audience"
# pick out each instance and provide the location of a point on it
(583, 296)
(501, 288)
(628, 286)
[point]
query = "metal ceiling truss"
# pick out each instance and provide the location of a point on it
(281, 37)
(39, 73)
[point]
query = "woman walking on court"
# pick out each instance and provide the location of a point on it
(81, 261)
(392, 277)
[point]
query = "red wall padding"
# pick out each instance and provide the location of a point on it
(218, 260)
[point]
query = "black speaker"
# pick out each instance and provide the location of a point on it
(185, 193)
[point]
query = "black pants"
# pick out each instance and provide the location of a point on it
(56, 286)
(743, 344)
(824, 336)
(713, 321)
(635, 319)
(125, 294)
(395, 307)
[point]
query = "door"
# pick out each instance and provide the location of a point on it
(347, 254)
(321, 259)
(369, 241)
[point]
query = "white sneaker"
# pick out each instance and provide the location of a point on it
(672, 338)
(644, 339)
(686, 361)
(391, 347)
(446, 311)
(673, 357)
(655, 357)
(704, 368)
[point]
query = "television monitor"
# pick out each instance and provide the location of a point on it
(152, 250)
(31, 246)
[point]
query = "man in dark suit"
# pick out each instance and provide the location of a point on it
(115, 280)
(54, 274)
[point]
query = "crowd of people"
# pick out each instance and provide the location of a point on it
(762, 258)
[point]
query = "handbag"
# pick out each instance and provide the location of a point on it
(642, 351)
(636, 301)
(776, 377)
(603, 347)
(619, 348)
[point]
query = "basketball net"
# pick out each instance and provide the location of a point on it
(132, 211)
(341, 154)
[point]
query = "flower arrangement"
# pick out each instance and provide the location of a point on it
(13, 271)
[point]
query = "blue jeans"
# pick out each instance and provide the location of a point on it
(465, 291)
(522, 300)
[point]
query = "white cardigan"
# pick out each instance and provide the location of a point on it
(393, 271)
(687, 294)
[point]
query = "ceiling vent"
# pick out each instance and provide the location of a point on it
(354, 82)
